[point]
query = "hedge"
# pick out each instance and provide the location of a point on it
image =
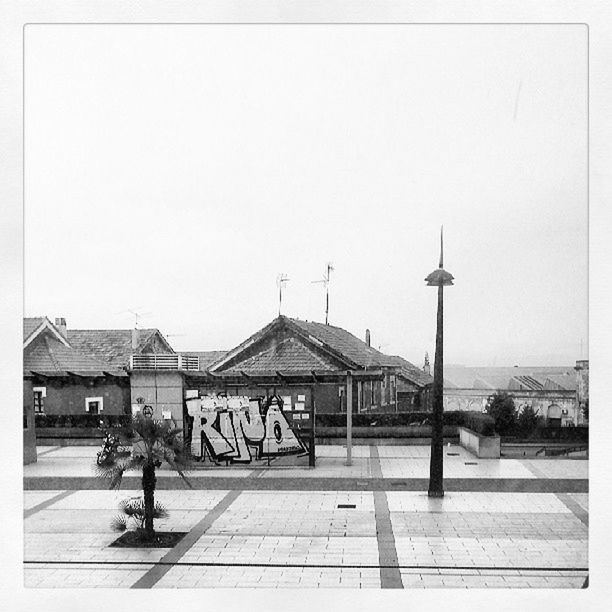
(561, 434)
(480, 423)
(83, 420)
(379, 419)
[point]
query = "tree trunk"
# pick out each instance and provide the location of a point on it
(148, 488)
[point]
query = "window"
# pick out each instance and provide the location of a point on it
(94, 405)
(25, 419)
(39, 399)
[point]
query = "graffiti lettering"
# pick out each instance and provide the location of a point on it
(228, 428)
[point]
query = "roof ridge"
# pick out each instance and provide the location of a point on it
(128, 329)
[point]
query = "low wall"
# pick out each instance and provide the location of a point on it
(484, 447)
(415, 431)
(72, 436)
(383, 441)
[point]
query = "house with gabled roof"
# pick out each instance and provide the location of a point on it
(116, 346)
(295, 348)
(60, 379)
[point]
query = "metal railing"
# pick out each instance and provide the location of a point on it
(164, 362)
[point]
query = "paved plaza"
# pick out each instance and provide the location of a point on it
(502, 523)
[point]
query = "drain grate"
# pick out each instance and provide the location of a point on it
(347, 506)
(398, 483)
(453, 454)
(471, 463)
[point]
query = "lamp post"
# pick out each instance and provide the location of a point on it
(439, 278)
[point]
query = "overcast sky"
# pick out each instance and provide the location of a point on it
(177, 170)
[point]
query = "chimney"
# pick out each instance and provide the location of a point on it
(135, 339)
(60, 323)
(367, 337)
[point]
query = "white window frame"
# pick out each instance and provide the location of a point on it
(100, 401)
(43, 394)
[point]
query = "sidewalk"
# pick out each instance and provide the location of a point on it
(333, 525)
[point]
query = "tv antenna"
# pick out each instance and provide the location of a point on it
(281, 279)
(325, 281)
(136, 312)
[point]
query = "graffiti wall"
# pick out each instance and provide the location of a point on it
(239, 428)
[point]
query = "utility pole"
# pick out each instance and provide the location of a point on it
(349, 418)
(438, 278)
(325, 281)
(281, 279)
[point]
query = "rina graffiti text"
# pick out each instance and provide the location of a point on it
(233, 428)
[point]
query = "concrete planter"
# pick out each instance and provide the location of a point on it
(484, 447)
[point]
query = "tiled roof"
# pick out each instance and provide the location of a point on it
(114, 346)
(341, 345)
(288, 356)
(345, 343)
(47, 355)
(411, 372)
(30, 325)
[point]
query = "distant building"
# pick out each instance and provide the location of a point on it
(582, 386)
(550, 391)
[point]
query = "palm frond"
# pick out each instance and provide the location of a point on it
(115, 470)
(177, 467)
(118, 523)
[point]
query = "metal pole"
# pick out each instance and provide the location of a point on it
(311, 449)
(436, 465)
(349, 419)
(396, 408)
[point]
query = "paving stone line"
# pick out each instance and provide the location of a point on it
(45, 504)
(492, 485)
(170, 558)
(533, 469)
(390, 576)
(576, 509)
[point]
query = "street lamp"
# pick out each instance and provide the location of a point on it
(439, 278)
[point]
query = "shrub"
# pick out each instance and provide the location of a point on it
(501, 407)
(480, 423)
(528, 421)
(41, 420)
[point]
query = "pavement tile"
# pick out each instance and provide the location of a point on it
(456, 534)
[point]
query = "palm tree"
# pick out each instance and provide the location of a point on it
(155, 442)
